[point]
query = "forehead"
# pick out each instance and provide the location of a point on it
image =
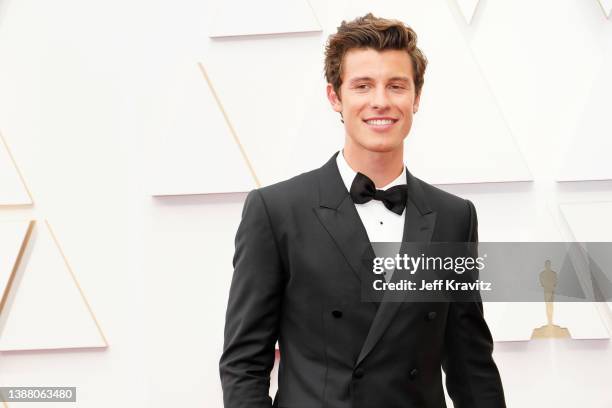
(375, 64)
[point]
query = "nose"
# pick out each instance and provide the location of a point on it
(379, 98)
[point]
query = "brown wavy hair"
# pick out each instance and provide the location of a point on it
(377, 33)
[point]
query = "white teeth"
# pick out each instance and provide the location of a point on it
(379, 122)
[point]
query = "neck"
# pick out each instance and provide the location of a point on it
(381, 167)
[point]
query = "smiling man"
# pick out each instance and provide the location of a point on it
(297, 265)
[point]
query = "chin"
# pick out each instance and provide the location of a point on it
(383, 146)
(376, 142)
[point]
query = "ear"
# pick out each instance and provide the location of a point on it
(333, 98)
(415, 105)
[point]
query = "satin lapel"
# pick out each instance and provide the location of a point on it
(348, 232)
(419, 225)
(339, 217)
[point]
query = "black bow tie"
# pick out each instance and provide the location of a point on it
(364, 190)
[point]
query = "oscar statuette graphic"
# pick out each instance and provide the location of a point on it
(548, 281)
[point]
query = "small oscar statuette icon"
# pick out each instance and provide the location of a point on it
(548, 280)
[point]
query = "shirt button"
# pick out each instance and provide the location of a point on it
(358, 373)
(337, 314)
(431, 315)
(413, 373)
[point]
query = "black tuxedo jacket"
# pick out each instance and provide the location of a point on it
(296, 280)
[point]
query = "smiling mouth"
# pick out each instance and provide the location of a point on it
(380, 122)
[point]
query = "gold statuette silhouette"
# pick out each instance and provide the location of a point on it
(548, 280)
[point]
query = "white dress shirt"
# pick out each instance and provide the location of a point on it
(381, 224)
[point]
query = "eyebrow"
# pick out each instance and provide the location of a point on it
(365, 78)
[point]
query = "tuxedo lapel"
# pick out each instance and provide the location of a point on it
(339, 216)
(418, 227)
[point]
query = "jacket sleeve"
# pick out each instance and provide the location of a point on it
(253, 310)
(472, 378)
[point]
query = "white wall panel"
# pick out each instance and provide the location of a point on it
(235, 18)
(266, 101)
(329, 14)
(540, 59)
(197, 152)
(589, 221)
(468, 8)
(47, 309)
(588, 154)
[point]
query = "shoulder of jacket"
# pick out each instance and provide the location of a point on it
(289, 191)
(441, 200)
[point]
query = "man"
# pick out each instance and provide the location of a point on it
(297, 266)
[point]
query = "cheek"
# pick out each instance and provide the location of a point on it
(407, 104)
(356, 103)
(354, 111)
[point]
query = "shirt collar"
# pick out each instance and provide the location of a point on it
(348, 174)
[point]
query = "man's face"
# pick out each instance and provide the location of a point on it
(377, 98)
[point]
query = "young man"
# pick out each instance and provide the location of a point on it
(297, 266)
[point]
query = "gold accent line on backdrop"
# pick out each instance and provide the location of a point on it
(229, 124)
(314, 14)
(24, 244)
(77, 283)
(8, 151)
(603, 9)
